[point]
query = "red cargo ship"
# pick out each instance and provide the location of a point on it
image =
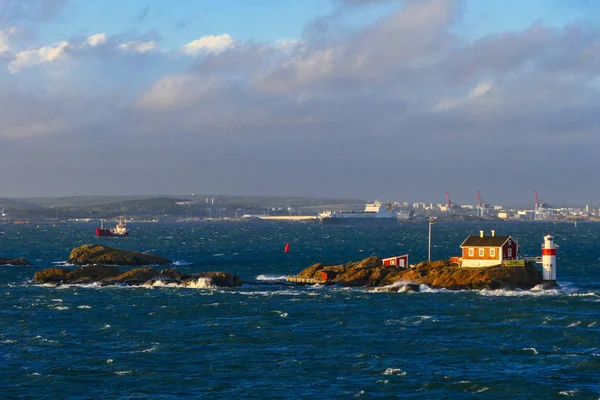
(119, 230)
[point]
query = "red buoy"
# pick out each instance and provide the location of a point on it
(287, 248)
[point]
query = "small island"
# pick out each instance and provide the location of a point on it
(371, 273)
(99, 266)
(14, 261)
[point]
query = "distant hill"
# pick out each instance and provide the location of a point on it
(163, 207)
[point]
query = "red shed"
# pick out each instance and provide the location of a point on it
(400, 261)
(328, 275)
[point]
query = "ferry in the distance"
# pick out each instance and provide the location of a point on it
(374, 212)
(119, 230)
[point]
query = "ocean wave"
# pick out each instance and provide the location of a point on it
(181, 263)
(281, 313)
(394, 371)
(532, 350)
(267, 277)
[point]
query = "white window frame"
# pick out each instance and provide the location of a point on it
(492, 252)
(509, 252)
(481, 252)
(471, 252)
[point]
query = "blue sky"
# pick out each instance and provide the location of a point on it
(368, 99)
(270, 20)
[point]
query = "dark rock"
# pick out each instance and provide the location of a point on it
(221, 279)
(137, 276)
(92, 273)
(14, 261)
(90, 254)
(50, 275)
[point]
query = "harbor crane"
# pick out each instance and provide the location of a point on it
(483, 208)
(450, 206)
(542, 210)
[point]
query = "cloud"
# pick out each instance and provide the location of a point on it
(208, 44)
(174, 91)
(46, 54)
(405, 96)
(97, 39)
(480, 90)
(139, 47)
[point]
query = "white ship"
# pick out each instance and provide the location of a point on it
(374, 212)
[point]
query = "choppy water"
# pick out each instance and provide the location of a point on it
(296, 343)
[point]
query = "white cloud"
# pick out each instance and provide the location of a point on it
(6, 36)
(174, 91)
(33, 57)
(478, 91)
(139, 47)
(97, 39)
(208, 44)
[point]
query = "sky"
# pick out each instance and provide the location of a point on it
(371, 99)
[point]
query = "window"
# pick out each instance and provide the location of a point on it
(509, 253)
(492, 252)
(471, 252)
(509, 242)
(481, 252)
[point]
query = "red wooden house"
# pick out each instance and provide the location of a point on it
(485, 251)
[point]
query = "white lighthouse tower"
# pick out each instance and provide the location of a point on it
(549, 259)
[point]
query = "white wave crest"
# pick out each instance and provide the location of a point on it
(180, 263)
(200, 283)
(531, 349)
(84, 306)
(394, 371)
(266, 277)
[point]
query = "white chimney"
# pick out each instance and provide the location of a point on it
(480, 233)
(493, 232)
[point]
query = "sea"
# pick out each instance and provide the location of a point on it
(266, 340)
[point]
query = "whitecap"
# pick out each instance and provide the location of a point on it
(109, 361)
(200, 283)
(58, 300)
(568, 393)
(61, 308)
(394, 371)
(123, 372)
(107, 326)
(8, 341)
(84, 306)
(281, 314)
(266, 277)
(181, 263)
(531, 349)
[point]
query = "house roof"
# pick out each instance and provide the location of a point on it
(486, 241)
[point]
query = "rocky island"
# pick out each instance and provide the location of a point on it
(99, 267)
(371, 273)
(14, 261)
(95, 254)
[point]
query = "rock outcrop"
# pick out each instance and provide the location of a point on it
(108, 275)
(90, 254)
(14, 261)
(370, 272)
